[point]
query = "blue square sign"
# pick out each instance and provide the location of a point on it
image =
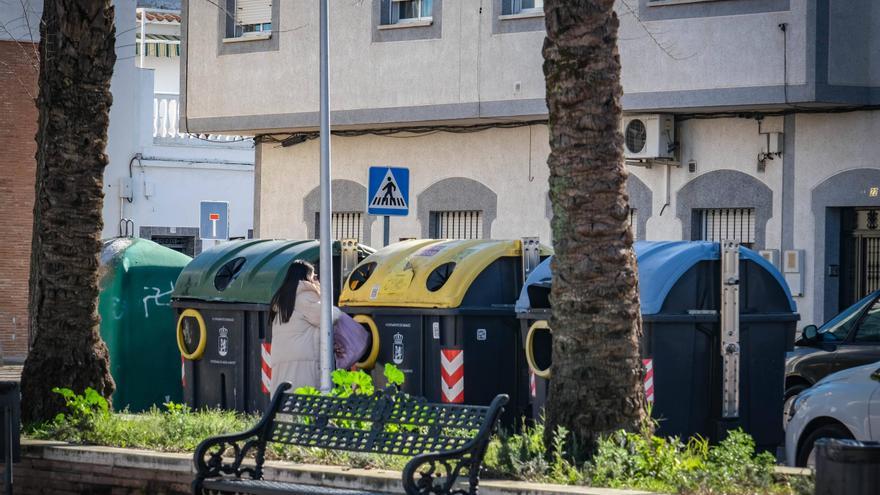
(214, 220)
(388, 191)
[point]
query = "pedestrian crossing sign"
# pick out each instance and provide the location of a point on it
(388, 191)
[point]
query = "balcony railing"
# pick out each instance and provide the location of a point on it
(166, 122)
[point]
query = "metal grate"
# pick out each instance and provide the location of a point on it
(634, 221)
(343, 225)
(718, 224)
(457, 224)
(181, 244)
(870, 261)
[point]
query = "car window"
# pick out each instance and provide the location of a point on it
(869, 327)
(839, 327)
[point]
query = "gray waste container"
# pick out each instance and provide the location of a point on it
(847, 467)
(681, 290)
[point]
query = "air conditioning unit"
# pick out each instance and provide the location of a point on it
(648, 137)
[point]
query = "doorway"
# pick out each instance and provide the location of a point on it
(860, 254)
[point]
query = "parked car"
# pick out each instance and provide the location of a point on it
(845, 404)
(850, 339)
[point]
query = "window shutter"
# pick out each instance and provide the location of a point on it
(253, 12)
(385, 12)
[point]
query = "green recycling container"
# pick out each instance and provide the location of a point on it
(223, 330)
(136, 280)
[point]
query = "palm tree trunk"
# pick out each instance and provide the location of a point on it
(77, 54)
(597, 371)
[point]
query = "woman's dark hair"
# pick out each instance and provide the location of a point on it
(285, 298)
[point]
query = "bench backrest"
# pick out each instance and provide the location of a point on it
(383, 423)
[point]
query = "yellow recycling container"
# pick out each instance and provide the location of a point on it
(444, 313)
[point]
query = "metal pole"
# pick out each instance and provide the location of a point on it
(386, 231)
(326, 255)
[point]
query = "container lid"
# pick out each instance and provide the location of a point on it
(130, 252)
(424, 273)
(661, 264)
(540, 277)
(246, 271)
(848, 451)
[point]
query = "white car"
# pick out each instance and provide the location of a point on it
(845, 404)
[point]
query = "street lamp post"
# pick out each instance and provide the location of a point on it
(326, 252)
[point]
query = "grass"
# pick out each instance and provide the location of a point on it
(623, 460)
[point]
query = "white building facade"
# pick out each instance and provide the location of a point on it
(159, 175)
(760, 121)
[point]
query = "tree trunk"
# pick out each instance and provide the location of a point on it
(77, 54)
(597, 370)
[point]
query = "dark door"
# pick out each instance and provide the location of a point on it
(860, 254)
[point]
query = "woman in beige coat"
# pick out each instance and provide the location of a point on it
(295, 314)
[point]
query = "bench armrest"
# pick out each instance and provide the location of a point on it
(437, 473)
(208, 457)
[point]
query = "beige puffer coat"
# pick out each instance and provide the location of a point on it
(295, 354)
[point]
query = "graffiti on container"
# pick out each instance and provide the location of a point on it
(156, 298)
(119, 308)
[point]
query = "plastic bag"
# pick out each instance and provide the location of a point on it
(350, 341)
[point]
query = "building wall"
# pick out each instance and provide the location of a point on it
(789, 195)
(471, 64)
(18, 127)
(497, 159)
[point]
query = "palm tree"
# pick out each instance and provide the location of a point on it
(597, 371)
(77, 54)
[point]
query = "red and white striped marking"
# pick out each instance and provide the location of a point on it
(649, 379)
(266, 358)
(533, 384)
(452, 375)
(183, 371)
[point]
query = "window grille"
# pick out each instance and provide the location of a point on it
(633, 221)
(457, 224)
(343, 225)
(719, 224)
(181, 244)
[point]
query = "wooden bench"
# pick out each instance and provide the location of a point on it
(445, 441)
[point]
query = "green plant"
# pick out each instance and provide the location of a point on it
(84, 410)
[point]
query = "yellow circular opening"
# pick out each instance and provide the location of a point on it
(370, 361)
(530, 348)
(203, 335)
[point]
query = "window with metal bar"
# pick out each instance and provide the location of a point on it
(181, 244)
(403, 11)
(633, 221)
(343, 225)
(457, 224)
(719, 224)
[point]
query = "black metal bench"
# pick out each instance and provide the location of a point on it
(445, 441)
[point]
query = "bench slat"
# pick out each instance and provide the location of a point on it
(364, 440)
(388, 409)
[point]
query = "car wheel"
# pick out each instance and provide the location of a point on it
(806, 456)
(791, 394)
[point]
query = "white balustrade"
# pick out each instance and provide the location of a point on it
(166, 121)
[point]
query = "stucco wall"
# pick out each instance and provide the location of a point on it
(854, 43)
(479, 66)
(498, 159)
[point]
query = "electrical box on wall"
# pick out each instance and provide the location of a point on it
(793, 270)
(125, 188)
(771, 255)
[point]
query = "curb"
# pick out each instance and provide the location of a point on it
(334, 476)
